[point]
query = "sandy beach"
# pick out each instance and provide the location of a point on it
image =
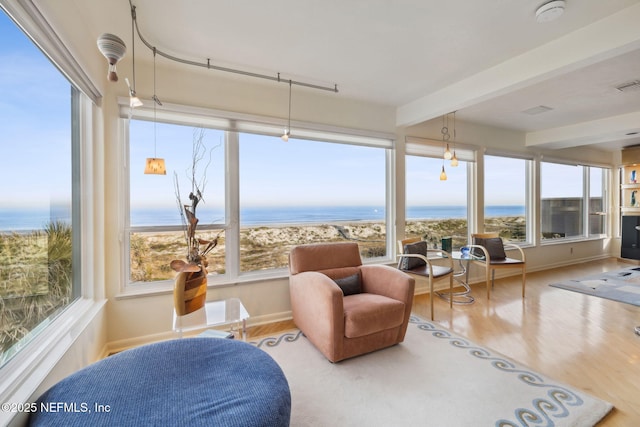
(267, 247)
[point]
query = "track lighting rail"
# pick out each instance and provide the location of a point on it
(208, 64)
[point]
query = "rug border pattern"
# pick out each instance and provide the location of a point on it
(544, 410)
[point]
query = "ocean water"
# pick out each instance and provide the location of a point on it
(20, 220)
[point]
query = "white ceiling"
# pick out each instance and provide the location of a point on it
(489, 60)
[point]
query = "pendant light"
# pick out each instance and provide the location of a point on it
(287, 130)
(134, 101)
(445, 136)
(154, 165)
(443, 174)
(447, 153)
(454, 158)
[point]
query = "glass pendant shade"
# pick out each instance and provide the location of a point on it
(443, 174)
(155, 166)
(454, 159)
(447, 153)
(134, 101)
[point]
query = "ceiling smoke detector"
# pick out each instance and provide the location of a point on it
(629, 86)
(550, 11)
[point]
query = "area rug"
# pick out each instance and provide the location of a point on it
(620, 285)
(433, 378)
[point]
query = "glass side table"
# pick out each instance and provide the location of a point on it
(229, 311)
(462, 277)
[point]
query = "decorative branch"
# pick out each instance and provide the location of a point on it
(196, 258)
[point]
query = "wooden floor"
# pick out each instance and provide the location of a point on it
(583, 341)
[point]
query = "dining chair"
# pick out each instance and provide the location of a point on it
(413, 258)
(493, 251)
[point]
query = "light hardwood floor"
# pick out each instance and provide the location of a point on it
(584, 341)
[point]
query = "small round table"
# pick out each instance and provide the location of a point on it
(462, 277)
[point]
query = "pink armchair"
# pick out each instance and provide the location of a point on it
(371, 313)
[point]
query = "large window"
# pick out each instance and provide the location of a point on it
(506, 184)
(156, 234)
(262, 195)
(572, 201)
(436, 208)
(308, 191)
(39, 217)
(597, 201)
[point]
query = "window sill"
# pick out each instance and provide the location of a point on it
(25, 372)
(571, 240)
(165, 287)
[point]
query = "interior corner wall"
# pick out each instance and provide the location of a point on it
(506, 140)
(135, 320)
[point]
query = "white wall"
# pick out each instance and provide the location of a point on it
(133, 320)
(127, 321)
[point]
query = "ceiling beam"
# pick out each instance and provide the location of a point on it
(614, 35)
(611, 129)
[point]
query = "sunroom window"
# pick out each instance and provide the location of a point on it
(39, 210)
(573, 201)
(436, 208)
(506, 197)
(263, 194)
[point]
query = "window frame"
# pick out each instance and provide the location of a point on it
(529, 208)
(233, 124)
(586, 196)
(430, 148)
(22, 374)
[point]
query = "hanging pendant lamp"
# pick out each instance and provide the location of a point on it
(155, 165)
(287, 130)
(454, 158)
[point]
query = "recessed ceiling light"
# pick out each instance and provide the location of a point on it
(550, 11)
(537, 110)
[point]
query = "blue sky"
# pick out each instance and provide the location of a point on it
(34, 101)
(35, 111)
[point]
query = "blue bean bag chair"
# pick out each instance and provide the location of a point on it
(187, 382)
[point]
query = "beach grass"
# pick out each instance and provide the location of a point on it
(268, 247)
(35, 279)
(35, 267)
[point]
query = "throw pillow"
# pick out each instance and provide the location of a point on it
(493, 245)
(350, 285)
(409, 263)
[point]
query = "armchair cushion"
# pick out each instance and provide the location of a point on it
(366, 314)
(350, 285)
(409, 263)
(493, 245)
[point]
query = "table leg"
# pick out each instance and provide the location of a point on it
(462, 297)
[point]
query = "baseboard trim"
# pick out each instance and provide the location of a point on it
(121, 345)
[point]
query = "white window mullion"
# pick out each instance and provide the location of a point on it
(232, 204)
